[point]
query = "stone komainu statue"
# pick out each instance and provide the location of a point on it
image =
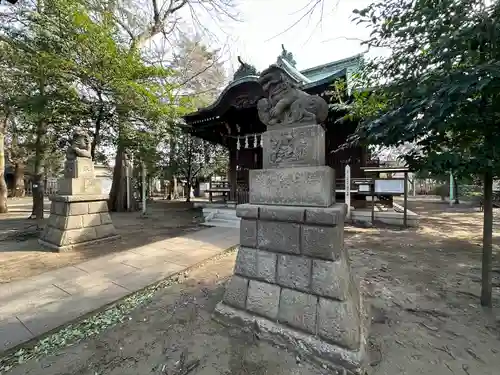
(80, 145)
(286, 105)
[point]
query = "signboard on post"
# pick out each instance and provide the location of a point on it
(347, 190)
(390, 186)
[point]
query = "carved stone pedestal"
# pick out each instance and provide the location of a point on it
(292, 277)
(79, 213)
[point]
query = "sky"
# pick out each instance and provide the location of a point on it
(327, 34)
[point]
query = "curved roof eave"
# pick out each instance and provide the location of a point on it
(233, 84)
(248, 79)
(292, 72)
(326, 80)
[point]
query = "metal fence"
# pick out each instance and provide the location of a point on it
(50, 187)
(242, 196)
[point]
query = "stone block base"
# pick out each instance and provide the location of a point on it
(78, 186)
(78, 221)
(294, 186)
(339, 360)
(292, 278)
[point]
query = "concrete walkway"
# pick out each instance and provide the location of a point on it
(34, 306)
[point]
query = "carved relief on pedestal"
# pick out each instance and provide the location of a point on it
(287, 149)
(299, 146)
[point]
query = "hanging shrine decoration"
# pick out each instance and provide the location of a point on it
(248, 141)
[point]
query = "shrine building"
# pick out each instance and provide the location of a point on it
(232, 120)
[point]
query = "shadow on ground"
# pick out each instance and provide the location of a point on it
(422, 285)
(21, 256)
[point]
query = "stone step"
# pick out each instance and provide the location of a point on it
(223, 223)
(227, 216)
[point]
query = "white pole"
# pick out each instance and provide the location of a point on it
(127, 182)
(347, 190)
(451, 189)
(143, 172)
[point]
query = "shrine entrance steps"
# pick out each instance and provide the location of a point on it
(221, 217)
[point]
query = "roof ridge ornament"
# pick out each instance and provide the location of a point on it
(244, 70)
(288, 56)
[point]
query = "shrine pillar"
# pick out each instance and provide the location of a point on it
(232, 173)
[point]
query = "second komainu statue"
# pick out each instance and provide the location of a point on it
(286, 105)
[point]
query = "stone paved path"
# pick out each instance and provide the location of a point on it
(34, 306)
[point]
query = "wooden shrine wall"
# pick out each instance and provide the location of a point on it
(247, 159)
(335, 136)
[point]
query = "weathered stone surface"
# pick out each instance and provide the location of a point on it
(298, 186)
(257, 264)
(302, 343)
(263, 299)
(98, 206)
(79, 186)
(69, 208)
(80, 198)
(248, 233)
(53, 236)
(294, 272)
(322, 242)
(105, 218)
(236, 292)
(76, 208)
(331, 279)
(66, 222)
(266, 266)
(91, 220)
(246, 262)
(79, 212)
(326, 216)
(280, 237)
(247, 211)
(75, 236)
(292, 147)
(340, 322)
(298, 310)
(282, 213)
(300, 288)
(75, 221)
(79, 168)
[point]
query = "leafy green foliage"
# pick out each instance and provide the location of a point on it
(69, 67)
(439, 88)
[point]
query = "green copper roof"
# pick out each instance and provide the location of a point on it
(292, 71)
(306, 79)
(320, 72)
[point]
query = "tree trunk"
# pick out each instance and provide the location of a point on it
(19, 189)
(98, 123)
(486, 287)
(38, 191)
(118, 194)
(173, 186)
(188, 188)
(4, 191)
(455, 189)
(189, 174)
